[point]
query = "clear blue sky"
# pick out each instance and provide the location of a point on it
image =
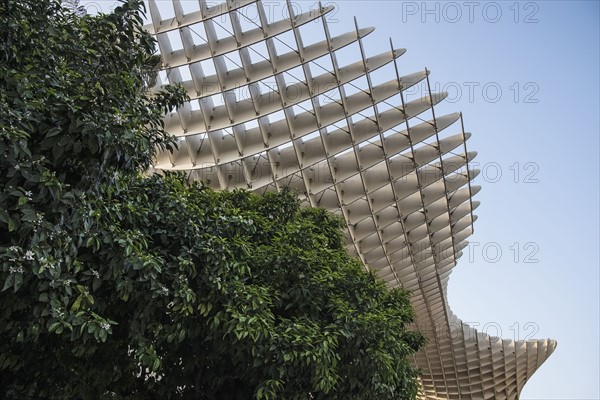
(525, 75)
(541, 134)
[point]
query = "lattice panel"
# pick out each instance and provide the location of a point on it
(269, 111)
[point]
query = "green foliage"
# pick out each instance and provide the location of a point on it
(123, 286)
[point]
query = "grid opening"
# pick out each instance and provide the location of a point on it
(174, 39)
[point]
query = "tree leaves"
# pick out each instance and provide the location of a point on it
(123, 285)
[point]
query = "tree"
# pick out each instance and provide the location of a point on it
(116, 284)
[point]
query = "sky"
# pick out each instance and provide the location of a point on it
(526, 77)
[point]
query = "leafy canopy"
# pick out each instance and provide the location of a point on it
(121, 285)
